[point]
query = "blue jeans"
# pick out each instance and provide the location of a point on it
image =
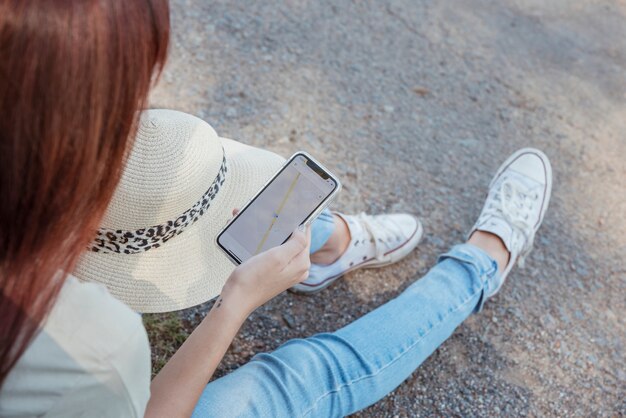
(321, 229)
(336, 374)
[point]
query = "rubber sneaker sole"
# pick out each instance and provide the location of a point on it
(396, 254)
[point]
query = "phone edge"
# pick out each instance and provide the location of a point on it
(307, 221)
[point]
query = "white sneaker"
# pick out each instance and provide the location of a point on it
(516, 203)
(376, 241)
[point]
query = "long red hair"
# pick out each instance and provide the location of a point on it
(73, 75)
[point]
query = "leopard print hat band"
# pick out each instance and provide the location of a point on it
(118, 241)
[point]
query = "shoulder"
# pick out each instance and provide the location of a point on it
(89, 313)
(92, 354)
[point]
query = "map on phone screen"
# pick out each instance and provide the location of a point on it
(283, 205)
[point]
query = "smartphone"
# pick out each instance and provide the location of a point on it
(294, 196)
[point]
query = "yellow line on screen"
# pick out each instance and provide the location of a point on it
(280, 208)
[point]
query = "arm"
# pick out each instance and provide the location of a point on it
(177, 387)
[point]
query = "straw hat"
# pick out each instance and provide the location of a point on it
(156, 247)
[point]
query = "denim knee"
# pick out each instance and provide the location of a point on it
(479, 263)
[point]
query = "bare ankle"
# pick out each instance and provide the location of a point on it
(492, 245)
(335, 246)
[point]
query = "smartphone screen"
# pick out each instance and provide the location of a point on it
(295, 193)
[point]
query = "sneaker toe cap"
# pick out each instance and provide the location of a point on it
(408, 224)
(532, 163)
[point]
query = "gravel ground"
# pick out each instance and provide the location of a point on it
(414, 104)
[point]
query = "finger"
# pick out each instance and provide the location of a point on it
(298, 266)
(304, 256)
(308, 237)
(282, 255)
(235, 211)
(303, 277)
(294, 245)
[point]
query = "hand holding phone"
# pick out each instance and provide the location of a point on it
(294, 196)
(269, 273)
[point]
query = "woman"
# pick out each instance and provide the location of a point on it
(72, 78)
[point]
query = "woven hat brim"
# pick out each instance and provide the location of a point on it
(190, 268)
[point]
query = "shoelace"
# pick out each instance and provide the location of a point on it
(378, 232)
(513, 201)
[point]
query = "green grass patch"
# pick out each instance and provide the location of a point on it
(166, 333)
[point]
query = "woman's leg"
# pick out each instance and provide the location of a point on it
(338, 373)
(322, 229)
(342, 243)
(335, 374)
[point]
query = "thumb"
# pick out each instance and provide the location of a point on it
(297, 243)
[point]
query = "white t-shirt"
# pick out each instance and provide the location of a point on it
(90, 359)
